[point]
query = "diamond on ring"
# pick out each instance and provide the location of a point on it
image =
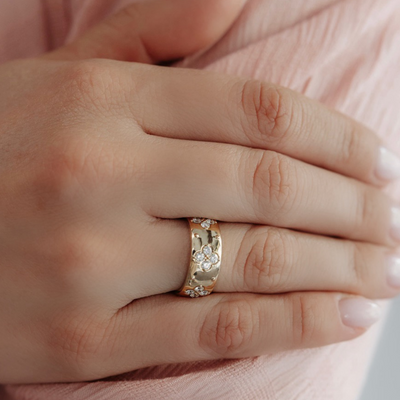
(206, 257)
(207, 250)
(198, 291)
(204, 222)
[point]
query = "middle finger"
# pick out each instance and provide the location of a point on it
(240, 184)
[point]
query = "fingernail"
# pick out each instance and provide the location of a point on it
(359, 312)
(393, 270)
(388, 166)
(395, 223)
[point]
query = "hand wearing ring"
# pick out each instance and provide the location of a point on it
(108, 171)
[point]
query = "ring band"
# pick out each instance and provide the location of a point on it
(205, 258)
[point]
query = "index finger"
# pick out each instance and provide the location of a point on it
(207, 106)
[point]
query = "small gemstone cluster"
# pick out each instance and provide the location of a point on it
(206, 257)
(197, 292)
(204, 222)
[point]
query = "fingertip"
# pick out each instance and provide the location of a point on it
(387, 166)
(214, 17)
(200, 23)
(323, 318)
(359, 313)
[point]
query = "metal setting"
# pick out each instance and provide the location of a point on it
(205, 258)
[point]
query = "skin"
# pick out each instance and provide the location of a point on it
(102, 159)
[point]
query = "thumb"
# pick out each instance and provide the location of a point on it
(154, 31)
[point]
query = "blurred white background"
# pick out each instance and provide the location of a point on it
(383, 382)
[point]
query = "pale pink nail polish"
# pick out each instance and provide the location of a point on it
(388, 166)
(359, 312)
(393, 270)
(395, 223)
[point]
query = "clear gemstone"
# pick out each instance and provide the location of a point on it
(205, 224)
(196, 220)
(199, 288)
(191, 293)
(206, 265)
(199, 256)
(203, 293)
(214, 258)
(207, 250)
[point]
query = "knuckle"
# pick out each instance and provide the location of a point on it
(77, 165)
(365, 208)
(71, 259)
(305, 324)
(77, 342)
(356, 267)
(88, 84)
(274, 183)
(72, 254)
(61, 176)
(228, 329)
(267, 266)
(363, 277)
(351, 146)
(69, 184)
(268, 111)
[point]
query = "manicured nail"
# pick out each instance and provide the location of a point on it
(359, 312)
(388, 167)
(395, 223)
(393, 270)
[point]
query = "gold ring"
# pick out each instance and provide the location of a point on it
(205, 258)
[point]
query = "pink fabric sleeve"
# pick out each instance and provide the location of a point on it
(343, 53)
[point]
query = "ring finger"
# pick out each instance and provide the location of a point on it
(263, 259)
